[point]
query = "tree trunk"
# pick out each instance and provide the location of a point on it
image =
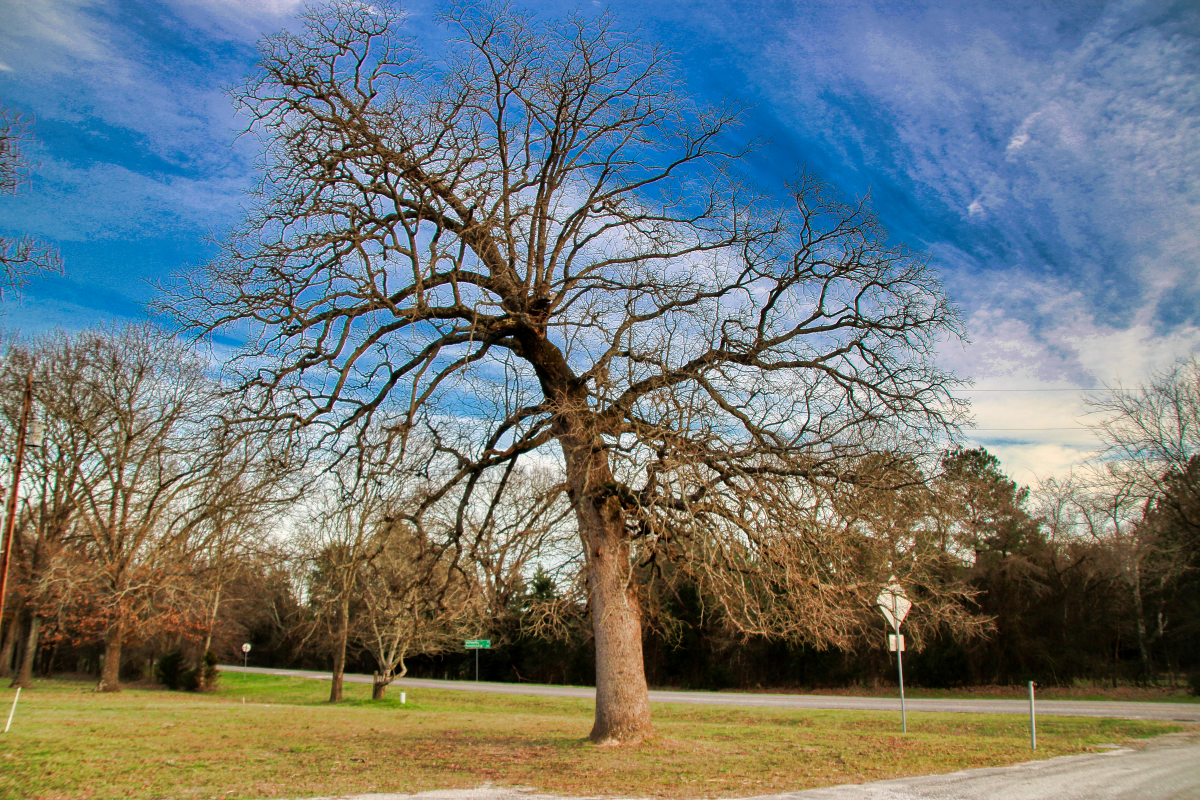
(339, 652)
(212, 620)
(24, 677)
(111, 671)
(1135, 589)
(48, 665)
(380, 684)
(622, 698)
(10, 644)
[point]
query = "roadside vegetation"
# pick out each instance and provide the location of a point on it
(284, 740)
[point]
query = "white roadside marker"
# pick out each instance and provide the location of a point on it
(14, 710)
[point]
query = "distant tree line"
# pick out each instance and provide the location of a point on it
(156, 535)
(1051, 573)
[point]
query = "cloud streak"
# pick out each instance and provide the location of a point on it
(1046, 155)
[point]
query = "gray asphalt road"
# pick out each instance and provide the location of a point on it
(1181, 712)
(1166, 769)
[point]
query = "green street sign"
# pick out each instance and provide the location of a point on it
(478, 644)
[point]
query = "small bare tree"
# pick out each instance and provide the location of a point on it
(235, 537)
(524, 522)
(537, 246)
(412, 603)
(343, 512)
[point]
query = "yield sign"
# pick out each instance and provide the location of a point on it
(894, 603)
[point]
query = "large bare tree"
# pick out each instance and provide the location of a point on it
(536, 246)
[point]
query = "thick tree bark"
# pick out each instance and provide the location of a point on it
(622, 697)
(111, 671)
(24, 677)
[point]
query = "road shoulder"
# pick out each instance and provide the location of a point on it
(1164, 768)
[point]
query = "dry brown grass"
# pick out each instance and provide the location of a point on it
(67, 742)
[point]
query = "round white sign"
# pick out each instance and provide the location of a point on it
(246, 647)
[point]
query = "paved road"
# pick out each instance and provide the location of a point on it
(1181, 712)
(1166, 769)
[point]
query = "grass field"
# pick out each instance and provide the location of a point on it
(283, 741)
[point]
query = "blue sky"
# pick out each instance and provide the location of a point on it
(1046, 155)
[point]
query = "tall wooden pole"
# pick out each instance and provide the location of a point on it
(11, 519)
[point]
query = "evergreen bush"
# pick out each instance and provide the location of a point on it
(174, 672)
(171, 669)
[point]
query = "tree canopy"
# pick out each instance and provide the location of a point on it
(537, 245)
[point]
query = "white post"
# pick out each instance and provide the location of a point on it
(900, 664)
(14, 709)
(403, 699)
(1032, 719)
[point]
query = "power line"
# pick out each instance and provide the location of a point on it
(1071, 428)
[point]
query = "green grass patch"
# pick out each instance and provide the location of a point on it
(284, 740)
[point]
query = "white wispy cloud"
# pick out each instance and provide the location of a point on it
(102, 201)
(1033, 380)
(146, 142)
(75, 64)
(59, 29)
(242, 20)
(1069, 157)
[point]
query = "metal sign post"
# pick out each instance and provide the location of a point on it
(477, 645)
(895, 605)
(245, 654)
(1032, 719)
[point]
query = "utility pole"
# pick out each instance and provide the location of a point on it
(11, 519)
